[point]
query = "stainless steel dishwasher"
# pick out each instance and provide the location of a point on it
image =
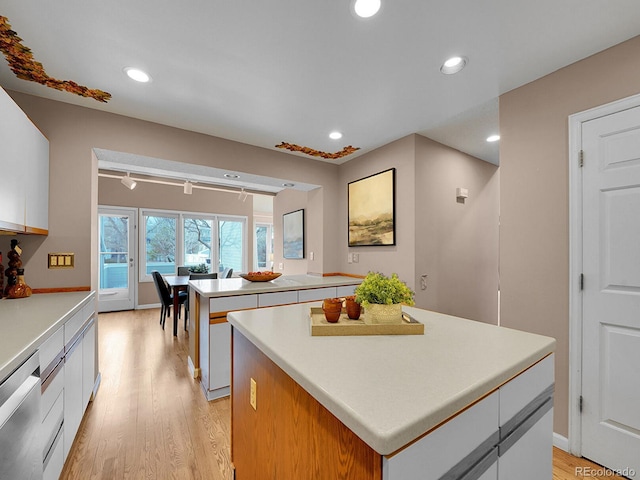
(20, 449)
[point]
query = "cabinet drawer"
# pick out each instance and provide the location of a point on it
(51, 425)
(51, 389)
(55, 461)
(519, 392)
(73, 326)
(277, 298)
(345, 290)
(316, 294)
(51, 351)
(229, 304)
(446, 447)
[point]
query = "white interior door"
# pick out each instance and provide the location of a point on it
(116, 258)
(611, 297)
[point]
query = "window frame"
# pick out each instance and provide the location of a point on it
(180, 217)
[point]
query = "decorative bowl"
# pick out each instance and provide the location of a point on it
(260, 276)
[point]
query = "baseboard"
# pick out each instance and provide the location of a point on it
(148, 306)
(560, 442)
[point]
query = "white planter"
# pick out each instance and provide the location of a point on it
(385, 314)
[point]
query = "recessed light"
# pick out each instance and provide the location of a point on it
(493, 138)
(288, 185)
(137, 75)
(335, 135)
(366, 8)
(453, 65)
(231, 175)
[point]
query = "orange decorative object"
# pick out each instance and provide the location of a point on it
(25, 67)
(348, 150)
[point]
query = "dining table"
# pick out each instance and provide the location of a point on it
(177, 283)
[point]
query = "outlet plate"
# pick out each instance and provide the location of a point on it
(252, 395)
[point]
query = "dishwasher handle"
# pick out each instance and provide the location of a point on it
(14, 401)
(31, 367)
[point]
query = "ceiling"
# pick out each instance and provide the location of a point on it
(292, 71)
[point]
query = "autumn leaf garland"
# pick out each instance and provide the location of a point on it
(25, 67)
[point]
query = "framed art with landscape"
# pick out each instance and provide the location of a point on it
(372, 208)
(293, 234)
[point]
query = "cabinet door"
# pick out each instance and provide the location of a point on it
(449, 446)
(88, 363)
(36, 188)
(531, 457)
(13, 125)
(219, 356)
(73, 407)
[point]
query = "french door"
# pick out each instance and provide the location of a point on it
(116, 258)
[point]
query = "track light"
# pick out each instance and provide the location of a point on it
(188, 187)
(128, 182)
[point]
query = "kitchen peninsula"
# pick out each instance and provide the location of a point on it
(466, 400)
(211, 300)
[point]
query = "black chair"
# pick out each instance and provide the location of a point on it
(166, 297)
(227, 272)
(183, 271)
(203, 276)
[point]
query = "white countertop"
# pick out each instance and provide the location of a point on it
(25, 323)
(239, 286)
(390, 390)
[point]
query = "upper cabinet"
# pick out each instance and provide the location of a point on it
(24, 169)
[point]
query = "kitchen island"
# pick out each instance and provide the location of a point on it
(466, 400)
(211, 300)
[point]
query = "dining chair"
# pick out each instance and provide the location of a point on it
(166, 297)
(203, 276)
(183, 271)
(227, 272)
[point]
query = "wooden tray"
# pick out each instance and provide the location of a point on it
(346, 326)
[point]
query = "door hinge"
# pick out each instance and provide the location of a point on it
(581, 281)
(581, 158)
(580, 404)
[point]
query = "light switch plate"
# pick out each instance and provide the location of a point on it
(61, 260)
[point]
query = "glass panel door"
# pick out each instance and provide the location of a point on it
(116, 258)
(231, 244)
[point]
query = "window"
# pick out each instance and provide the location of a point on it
(190, 238)
(263, 258)
(232, 244)
(197, 241)
(160, 243)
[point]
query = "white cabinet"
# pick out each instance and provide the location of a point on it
(444, 450)
(315, 294)
(24, 152)
(73, 410)
(506, 435)
(277, 298)
(88, 363)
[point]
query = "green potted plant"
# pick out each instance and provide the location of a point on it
(202, 268)
(383, 297)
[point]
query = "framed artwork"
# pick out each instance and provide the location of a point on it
(372, 210)
(293, 234)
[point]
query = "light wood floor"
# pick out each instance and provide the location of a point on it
(150, 420)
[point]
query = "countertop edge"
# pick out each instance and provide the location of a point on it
(12, 364)
(270, 287)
